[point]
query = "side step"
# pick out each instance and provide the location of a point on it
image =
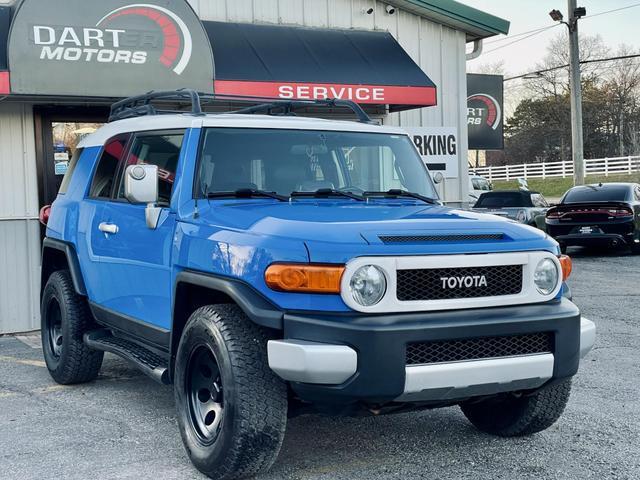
(148, 362)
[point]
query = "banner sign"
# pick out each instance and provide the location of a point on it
(363, 94)
(107, 48)
(438, 147)
(485, 111)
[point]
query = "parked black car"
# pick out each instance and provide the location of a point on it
(606, 214)
(523, 206)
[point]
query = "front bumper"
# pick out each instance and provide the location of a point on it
(362, 358)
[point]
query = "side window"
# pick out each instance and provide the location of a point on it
(104, 177)
(161, 149)
(638, 193)
(72, 166)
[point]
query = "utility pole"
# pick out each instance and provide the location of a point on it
(576, 97)
(575, 13)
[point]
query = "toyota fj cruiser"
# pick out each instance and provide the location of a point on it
(266, 264)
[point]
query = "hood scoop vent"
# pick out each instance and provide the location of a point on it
(469, 237)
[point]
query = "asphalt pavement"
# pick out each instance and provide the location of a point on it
(122, 426)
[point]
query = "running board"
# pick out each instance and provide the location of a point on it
(145, 360)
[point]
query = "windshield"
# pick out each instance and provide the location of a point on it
(286, 161)
(591, 193)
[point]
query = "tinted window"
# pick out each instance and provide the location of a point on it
(72, 166)
(284, 161)
(502, 200)
(161, 149)
(104, 178)
(592, 193)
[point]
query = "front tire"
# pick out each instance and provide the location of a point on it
(65, 319)
(232, 408)
(511, 416)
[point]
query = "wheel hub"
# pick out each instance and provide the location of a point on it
(54, 327)
(205, 394)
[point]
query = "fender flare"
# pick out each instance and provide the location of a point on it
(72, 262)
(255, 306)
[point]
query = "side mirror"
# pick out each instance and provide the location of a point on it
(141, 183)
(141, 186)
(438, 178)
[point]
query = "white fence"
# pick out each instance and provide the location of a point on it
(596, 166)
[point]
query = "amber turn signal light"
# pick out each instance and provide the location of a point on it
(567, 266)
(304, 278)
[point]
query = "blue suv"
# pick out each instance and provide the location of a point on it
(266, 264)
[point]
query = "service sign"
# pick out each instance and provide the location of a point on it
(108, 48)
(438, 147)
(485, 111)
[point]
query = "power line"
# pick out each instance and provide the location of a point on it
(595, 60)
(542, 29)
(511, 37)
(536, 32)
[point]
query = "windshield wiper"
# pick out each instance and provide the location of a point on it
(248, 193)
(394, 192)
(328, 192)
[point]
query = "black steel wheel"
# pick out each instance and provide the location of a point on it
(231, 408)
(205, 394)
(53, 319)
(65, 319)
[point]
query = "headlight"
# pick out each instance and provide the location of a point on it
(521, 216)
(368, 285)
(546, 276)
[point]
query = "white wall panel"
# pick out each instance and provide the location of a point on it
(19, 228)
(19, 275)
(266, 11)
(291, 12)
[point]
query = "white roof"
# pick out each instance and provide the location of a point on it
(229, 120)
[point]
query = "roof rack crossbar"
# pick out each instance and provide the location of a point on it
(141, 105)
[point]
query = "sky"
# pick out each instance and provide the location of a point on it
(520, 57)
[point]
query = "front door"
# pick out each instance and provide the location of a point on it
(135, 261)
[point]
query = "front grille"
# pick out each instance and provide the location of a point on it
(440, 238)
(479, 348)
(436, 283)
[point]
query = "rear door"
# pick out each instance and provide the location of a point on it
(135, 262)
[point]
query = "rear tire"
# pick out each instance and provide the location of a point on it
(65, 319)
(232, 408)
(511, 416)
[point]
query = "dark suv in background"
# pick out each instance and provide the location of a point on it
(606, 214)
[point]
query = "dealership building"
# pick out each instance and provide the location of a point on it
(62, 62)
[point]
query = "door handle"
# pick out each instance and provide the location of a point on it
(108, 228)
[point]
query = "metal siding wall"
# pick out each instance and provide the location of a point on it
(19, 227)
(439, 50)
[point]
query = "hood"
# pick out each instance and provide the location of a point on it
(337, 227)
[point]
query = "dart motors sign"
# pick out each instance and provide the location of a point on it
(485, 112)
(107, 48)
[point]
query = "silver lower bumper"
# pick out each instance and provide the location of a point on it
(587, 336)
(443, 381)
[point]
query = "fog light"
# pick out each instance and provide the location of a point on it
(368, 285)
(546, 276)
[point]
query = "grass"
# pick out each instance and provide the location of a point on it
(556, 187)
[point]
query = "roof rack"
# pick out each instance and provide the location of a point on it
(141, 105)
